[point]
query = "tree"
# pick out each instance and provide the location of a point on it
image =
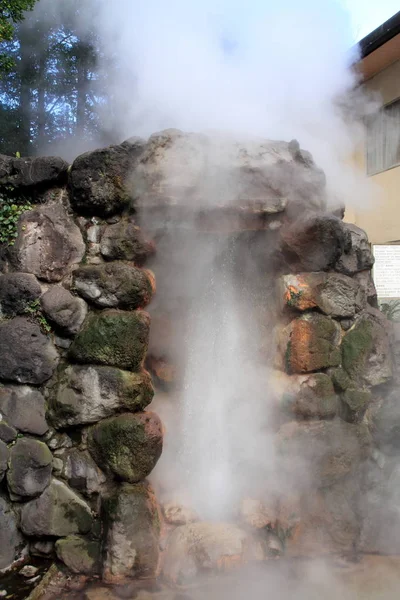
(11, 12)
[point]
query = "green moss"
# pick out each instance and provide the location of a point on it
(288, 352)
(294, 298)
(340, 379)
(356, 345)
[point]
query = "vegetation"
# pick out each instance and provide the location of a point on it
(391, 309)
(11, 209)
(34, 309)
(11, 12)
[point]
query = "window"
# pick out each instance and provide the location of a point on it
(383, 139)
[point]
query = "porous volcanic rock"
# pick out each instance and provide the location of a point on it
(32, 172)
(366, 353)
(57, 512)
(324, 450)
(65, 311)
(89, 394)
(49, 243)
(200, 549)
(313, 343)
(30, 467)
(26, 354)
(115, 285)
(17, 293)
(98, 180)
(358, 256)
(128, 445)
(11, 541)
(23, 408)
(114, 338)
(132, 533)
(80, 554)
(334, 294)
(311, 397)
(125, 241)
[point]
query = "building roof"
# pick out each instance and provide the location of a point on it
(382, 34)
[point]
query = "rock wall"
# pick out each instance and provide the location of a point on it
(77, 442)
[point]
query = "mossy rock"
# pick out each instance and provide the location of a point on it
(128, 445)
(80, 554)
(30, 468)
(340, 379)
(314, 397)
(114, 338)
(354, 404)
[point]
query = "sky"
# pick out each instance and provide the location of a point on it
(367, 15)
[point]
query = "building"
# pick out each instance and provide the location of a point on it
(379, 66)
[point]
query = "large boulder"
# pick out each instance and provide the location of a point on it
(221, 172)
(131, 540)
(7, 433)
(115, 285)
(128, 445)
(335, 295)
(311, 397)
(4, 453)
(98, 180)
(205, 549)
(113, 338)
(30, 468)
(18, 292)
(65, 311)
(49, 243)
(313, 243)
(57, 512)
(27, 172)
(319, 453)
(89, 394)
(80, 554)
(358, 255)
(23, 408)
(366, 352)
(11, 541)
(26, 354)
(81, 472)
(125, 241)
(313, 344)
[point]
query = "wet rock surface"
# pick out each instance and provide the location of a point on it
(129, 444)
(113, 338)
(26, 354)
(114, 285)
(125, 241)
(80, 554)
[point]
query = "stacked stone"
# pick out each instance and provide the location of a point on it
(76, 443)
(336, 355)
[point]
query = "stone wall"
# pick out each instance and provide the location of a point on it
(77, 442)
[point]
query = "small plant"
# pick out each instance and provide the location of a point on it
(11, 208)
(391, 309)
(34, 309)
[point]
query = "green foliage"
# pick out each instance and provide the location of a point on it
(34, 309)
(11, 208)
(391, 309)
(11, 12)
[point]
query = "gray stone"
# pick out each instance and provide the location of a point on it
(57, 512)
(128, 445)
(49, 243)
(98, 180)
(65, 311)
(365, 281)
(385, 421)
(358, 256)
(28, 571)
(88, 394)
(319, 453)
(23, 408)
(311, 397)
(4, 453)
(26, 354)
(132, 533)
(125, 241)
(81, 472)
(32, 172)
(58, 441)
(10, 539)
(80, 554)
(115, 285)
(43, 548)
(354, 404)
(18, 291)
(113, 338)
(30, 468)
(366, 352)
(7, 433)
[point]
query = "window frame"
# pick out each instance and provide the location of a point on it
(394, 166)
